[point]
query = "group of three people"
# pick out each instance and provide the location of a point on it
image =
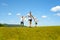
(30, 18)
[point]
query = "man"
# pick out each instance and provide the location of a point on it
(30, 17)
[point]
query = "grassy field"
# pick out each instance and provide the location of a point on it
(26, 33)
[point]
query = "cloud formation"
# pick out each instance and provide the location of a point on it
(18, 14)
(55, 9)
(9, 14)
(58, 14)
(44, 16)
(4, 4)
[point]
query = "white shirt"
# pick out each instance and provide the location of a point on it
(22, 19)
(29, 16)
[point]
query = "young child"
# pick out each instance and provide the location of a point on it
(35, 20)
(22, 20)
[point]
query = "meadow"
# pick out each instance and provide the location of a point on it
(33, 33)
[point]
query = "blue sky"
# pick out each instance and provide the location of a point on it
(46, 11)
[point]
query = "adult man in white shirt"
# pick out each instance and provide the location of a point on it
(30, 17)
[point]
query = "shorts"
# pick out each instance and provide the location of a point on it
(36, 23)
(22, 23)
(30, 19)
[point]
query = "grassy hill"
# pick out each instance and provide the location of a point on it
(26, 33)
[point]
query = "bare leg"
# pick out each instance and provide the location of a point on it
(30, 23)
(35, 24)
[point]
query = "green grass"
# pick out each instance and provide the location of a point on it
(26, 33)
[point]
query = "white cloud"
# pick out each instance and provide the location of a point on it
(9, 13)
(4, 4)
(58, 14)
(18, 14)
(44, 16)
(55, 9)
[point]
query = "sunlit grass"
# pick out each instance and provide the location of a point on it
(26, 33)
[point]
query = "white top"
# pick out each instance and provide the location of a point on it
(22, 19)
(29, 16)
(35, 19)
